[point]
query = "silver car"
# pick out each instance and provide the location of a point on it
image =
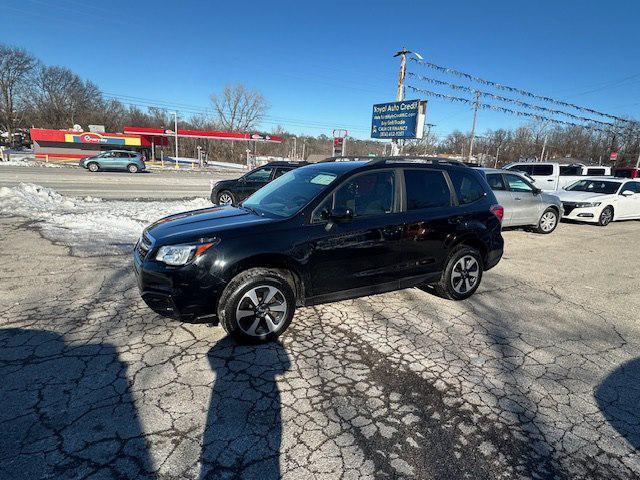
(524, 204)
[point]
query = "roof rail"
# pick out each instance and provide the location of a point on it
(396, 159)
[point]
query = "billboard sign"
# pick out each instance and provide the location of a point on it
(398, 119)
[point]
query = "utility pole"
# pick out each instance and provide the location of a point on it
(495, 165)
(544, 147)
(175, 131)
(395, 147)
(304, 147)
(428, 125)
(295, 147)
(476, 105)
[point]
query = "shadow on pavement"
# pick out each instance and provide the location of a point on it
(618, 397)
(66, 410)
(243, 432)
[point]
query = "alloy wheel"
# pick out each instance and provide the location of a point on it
(548, 221)
(225, 199)
(93, 167)
(261, 311)
(465, 274)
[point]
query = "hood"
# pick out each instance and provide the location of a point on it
(568, 196)
(223, 183)
(189, 226)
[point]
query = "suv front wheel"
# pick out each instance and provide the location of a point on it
(462, 274)
(257, 305)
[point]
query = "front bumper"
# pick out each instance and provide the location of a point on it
(581, 214)
(183, 293)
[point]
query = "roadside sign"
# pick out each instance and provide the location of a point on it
(398, 119)
(339, 141)
(613, 156)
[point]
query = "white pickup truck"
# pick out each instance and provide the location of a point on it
(552, 176)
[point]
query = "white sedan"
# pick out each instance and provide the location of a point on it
(601, 200)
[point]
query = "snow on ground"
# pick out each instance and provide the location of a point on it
(90, 226)
(27, 161)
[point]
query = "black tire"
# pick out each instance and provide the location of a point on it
(236, 295)
(606, 216)
(445, 287)
(545, 226)
(93, 167)
(133, 168)
(225, 197)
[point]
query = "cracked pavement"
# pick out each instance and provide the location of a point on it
(536, 376)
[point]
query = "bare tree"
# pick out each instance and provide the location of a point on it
(239, 109)
(61, 99)
(16, 69)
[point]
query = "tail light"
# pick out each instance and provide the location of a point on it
(498, 211)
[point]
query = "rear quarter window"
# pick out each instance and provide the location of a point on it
(542, 170)
(468, 188)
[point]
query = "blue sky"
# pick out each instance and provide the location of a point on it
(323, 64)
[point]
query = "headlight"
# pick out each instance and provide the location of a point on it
(587, 204)
(181, 254)
(175, 254)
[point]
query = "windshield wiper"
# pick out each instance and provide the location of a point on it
(251, 209)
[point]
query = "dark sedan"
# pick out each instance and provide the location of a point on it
(232, 192)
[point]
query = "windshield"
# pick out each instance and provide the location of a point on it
(594, 186)
(289, 193)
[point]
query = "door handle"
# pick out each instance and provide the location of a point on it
(550, 180)
(455, 220)
(517, 198)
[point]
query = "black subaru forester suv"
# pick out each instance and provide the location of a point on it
(321, 233)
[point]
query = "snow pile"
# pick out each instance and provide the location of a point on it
(89, 225)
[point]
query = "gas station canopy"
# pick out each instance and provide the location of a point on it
(229, 136)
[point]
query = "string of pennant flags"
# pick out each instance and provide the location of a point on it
(498, 108)
(524, 93)
(520, 103)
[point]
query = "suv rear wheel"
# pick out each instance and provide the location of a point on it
(257, 305)
(133, 168)
(462, 274)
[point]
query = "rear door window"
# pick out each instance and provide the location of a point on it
(496, 182)
(426, 189)
(467, 187)
(596, 171)
(543, 170)
(568, 170)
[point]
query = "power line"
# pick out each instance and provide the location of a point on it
(520, 103)
(184, 108)
(487, 106)
(473, 78)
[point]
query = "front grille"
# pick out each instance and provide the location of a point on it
(144, 245)
(568, 207)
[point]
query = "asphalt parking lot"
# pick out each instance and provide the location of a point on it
(536, 376)
(154, 184)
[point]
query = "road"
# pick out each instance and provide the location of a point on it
(78, 182)
(535, 376)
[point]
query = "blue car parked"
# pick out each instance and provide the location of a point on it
(114, 160)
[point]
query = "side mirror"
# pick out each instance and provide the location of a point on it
(537, 191)
(337, 214)
(627, 193)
